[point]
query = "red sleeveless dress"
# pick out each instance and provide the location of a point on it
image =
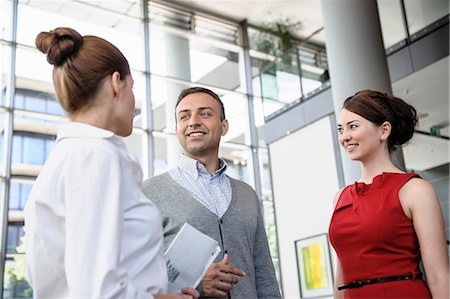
(374, 238)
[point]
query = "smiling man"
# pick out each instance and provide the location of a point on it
(199, 192)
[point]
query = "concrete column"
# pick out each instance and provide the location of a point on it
(177, 66)
(356, 58)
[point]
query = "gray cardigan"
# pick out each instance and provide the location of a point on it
(244, 236)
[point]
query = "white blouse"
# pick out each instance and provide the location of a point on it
(89, 230)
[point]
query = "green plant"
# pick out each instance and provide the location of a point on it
(277, 38)
(15, 274)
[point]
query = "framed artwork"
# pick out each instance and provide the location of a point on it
(314, 266)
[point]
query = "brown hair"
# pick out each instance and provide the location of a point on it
(197, 89)
(80, 64)
(379, 107)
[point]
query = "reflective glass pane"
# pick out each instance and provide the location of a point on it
(310, 85)
(214, 66)
(19, 190)
(164, 95)
(14, 235)
(139, 91)
(15, 285)
(236, 111)
(33, 139)
(6, 20)
(276, 80)
(5, 71)
(135, 144)
(193, 60)
(30, 148)
(2, 140)
(391, 19)
(314, 69)
(268, 208)
(259, 113)
(238, 159)
(166, 152)
(119, 25)
(421, 13)
(276, 77)
(37, 78)
(276, 66)
(35, 101)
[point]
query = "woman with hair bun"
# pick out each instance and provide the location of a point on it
(389, 221)
(89, 230)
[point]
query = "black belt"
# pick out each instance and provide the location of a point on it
(361, 283)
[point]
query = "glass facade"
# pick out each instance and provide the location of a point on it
(402, 20)
(392, 19)
(169, 48)
(284, 73)
(167, 53)
(422, 13)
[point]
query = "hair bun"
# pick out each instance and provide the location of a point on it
(59, 44)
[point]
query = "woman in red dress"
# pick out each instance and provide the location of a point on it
(387, 222)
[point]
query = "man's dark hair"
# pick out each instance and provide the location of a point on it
(198, 89)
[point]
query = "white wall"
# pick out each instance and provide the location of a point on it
(304, 178)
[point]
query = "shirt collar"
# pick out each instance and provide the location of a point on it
(195, 169)
(82, 130)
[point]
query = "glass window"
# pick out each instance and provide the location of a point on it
(236, 111)
(140, 95)
(6, 20)
(37, 102)
(169, 55)
(391, 19)
(214, 66)
(194, 60)
(27, 77)
(421, 13)
(2, 140)
(276, 73)
(238, 159)
(15, 285)
(5, 70)
(15, 232)
(135, 145)
(259, 114)
(314, 69)
(123, 28)
(166, 152)
(2, 184)
(31, 148)
(18, 193)
(268, 208)
(276, 80)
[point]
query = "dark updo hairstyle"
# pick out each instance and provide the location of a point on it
(379, 107)
(80, 63)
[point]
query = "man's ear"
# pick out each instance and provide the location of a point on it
(386, 129)
(224, 127)
(115, 83)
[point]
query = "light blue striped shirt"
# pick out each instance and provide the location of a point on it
(213, 191)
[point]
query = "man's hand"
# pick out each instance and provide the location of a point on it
(189, 293)
(220, 277)
(186, 293)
